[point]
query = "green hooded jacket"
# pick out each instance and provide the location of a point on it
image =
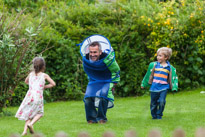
(172, 78)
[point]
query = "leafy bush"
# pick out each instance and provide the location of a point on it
(136, 29)
(17, 48)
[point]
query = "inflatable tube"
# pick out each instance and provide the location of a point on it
(102, 73)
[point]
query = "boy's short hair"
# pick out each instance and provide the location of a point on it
(166, 51)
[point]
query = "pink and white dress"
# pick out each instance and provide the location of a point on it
(33, 102)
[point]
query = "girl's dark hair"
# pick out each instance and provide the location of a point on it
(39, 64)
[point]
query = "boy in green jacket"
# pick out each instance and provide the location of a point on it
(160, 77)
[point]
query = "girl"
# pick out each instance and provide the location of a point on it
(31, 109)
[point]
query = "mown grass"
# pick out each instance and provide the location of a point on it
(184, 110)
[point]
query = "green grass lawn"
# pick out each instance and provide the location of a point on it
(184, 110)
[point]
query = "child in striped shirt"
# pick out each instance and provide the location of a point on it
(160, 77)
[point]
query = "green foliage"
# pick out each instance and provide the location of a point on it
(182, 30)
(136, 29)
(86, 21)
(17, 48)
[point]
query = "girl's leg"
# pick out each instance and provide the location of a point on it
(33, 121)
(26, 127)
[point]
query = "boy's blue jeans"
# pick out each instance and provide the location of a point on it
(95, 115)
(157, 105)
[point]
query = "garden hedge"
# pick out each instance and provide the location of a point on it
(136, 29)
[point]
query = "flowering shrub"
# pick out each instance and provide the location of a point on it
(136, 29)
(180, 26)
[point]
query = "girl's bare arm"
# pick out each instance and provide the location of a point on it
(27, 79)
(51, 82)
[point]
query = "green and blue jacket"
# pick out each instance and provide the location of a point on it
(172, 78)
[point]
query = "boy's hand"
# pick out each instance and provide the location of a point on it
(142, 87)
